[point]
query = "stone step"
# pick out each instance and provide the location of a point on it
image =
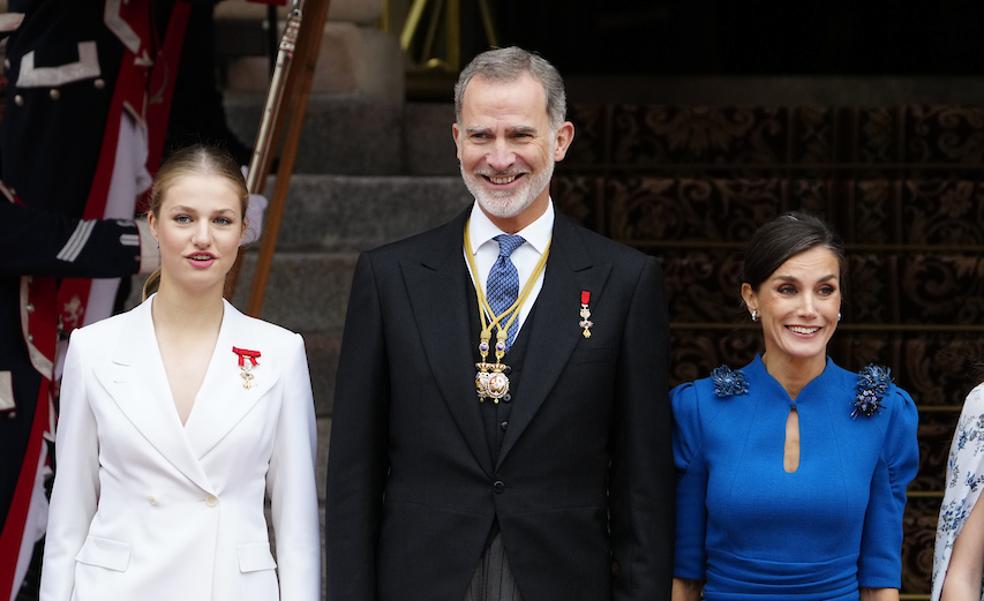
(353, 213)
(354, 59)
(353, 135)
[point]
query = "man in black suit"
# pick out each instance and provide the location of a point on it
(453, 477)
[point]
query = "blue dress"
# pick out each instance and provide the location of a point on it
(750, 530)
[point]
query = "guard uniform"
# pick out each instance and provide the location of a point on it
(74, 146)
(38, 248)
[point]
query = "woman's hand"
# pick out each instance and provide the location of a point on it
(687, 590)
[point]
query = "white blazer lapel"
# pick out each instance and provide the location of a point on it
(222, 400)
(136, 381)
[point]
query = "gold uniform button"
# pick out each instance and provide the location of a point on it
(211, 500)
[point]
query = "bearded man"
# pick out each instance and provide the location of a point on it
(501, 427)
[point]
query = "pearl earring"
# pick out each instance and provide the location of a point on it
(755, 315)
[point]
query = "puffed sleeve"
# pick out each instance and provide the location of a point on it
(880, 562)
(76, 488)
(690, 557)
(291, 484)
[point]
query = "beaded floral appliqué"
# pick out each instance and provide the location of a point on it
(728, 382)
(872, 385)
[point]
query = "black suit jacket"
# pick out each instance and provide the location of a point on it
(583, 486)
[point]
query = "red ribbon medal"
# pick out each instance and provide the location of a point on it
(585, 314)
(246, 367)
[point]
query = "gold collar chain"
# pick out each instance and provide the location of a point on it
(492, 379)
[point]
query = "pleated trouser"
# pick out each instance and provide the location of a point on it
(493, 580)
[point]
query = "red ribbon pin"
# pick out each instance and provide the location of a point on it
(244, 353)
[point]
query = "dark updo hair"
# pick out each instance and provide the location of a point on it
(783, 238)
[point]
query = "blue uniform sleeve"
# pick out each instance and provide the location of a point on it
(690, 557)
(880, 561)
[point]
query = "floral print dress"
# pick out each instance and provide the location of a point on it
(964, 482)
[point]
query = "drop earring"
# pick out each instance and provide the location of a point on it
(755, 315)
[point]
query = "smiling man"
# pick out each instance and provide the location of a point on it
(501, 429)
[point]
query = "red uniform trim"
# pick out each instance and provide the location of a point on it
(13, 530)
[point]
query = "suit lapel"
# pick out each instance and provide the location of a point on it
(222, 401)
(437, 289)
(554, 332)
(136, 381)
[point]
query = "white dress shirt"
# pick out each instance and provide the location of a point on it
(485, 249)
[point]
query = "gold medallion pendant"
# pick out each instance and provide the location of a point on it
(491, 381)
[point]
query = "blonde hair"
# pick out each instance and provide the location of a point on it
(199, 159)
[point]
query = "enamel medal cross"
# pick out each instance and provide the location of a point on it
(247, 361)
(585, 313)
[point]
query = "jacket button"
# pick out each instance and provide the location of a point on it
(499, 487)
(29, 308)
(211, 500)
(504, 425)
(19, 100)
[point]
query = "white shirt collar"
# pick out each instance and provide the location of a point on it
(481, 230)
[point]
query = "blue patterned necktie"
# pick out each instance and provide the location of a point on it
(502, 287)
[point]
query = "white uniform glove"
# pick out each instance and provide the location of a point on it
(254, 214)
(254, 218)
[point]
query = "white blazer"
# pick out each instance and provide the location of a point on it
(146, 509)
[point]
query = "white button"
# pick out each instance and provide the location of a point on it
(30, 338)
(153, 501)
(19, 100)
(211, 500)
(29, 308)
(55, 94)
(99, 84)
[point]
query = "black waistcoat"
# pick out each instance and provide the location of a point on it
(495, 416)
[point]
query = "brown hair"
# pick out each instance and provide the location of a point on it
(198, 159)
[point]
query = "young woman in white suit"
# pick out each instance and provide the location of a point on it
(176, 418)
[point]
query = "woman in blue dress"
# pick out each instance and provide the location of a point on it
(791, 470)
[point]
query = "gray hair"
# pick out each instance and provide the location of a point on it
(508, 64)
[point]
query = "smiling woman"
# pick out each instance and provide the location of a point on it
(176, 417)
(784, 485)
